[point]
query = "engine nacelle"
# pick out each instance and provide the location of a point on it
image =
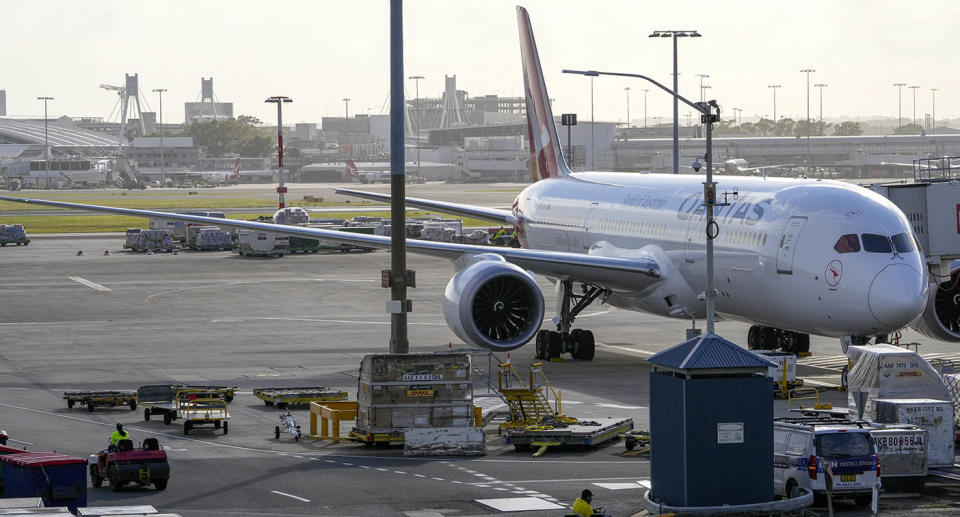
(493, 304)
(941, 318)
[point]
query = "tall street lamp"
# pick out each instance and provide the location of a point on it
(703, 88)
(416, 111)
(736, 115)
(702, 77)
(279, 100)
(46, 139)
(899, 103)
(627, 89)
(933, 121)
(163, 179)
(774, 88)
(821, 86)
(914, 88)
(709, 114)
(808, 71)
(645, 108)
(675, 92)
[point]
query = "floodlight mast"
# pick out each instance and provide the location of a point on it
(279, 100)
(676, 117)
(709, 114)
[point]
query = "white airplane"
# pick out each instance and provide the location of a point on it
(739, 166)
(793, 257)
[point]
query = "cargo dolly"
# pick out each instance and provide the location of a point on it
(584, 433)
(198, 410)
(161, 400)
(284, 397)
(92, 399)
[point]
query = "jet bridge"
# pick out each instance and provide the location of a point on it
(932, 205)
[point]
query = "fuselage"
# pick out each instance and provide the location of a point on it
(779, 257)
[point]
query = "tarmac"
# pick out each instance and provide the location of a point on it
(118, 321)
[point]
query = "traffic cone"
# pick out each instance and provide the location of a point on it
(176, 251)
(149, 252)
(79, 253)
(106, 252)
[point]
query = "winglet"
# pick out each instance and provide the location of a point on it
(546, 157)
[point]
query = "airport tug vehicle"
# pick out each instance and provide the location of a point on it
(124, 464)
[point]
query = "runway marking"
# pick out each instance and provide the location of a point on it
(617, 406)
(92, 285)
(519, 504)
(637, 351)
(618, 486)
(14, 388)
(298, 498)
(348, 464)
(571, 480)
(318, 320)
(438, 479)
(419, 475)
(596, 313)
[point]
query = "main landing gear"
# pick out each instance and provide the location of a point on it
(578, 343)
(769, 338)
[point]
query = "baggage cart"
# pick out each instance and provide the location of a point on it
(284, 397)
(130, 240)
(160, 400)
(262, 244)
(197, 411)
(93, 399)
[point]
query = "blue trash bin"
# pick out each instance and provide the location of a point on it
(58, 479)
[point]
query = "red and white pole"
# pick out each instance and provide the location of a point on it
(281, 189)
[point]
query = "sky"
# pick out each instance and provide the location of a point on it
(321, 51)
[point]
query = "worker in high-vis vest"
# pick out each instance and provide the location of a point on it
(582, 506)
(118, 435)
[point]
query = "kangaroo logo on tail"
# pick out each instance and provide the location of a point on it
(546, 158)
(235, 175)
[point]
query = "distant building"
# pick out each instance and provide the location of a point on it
(3, 103)
(207, 111)
(178, 152)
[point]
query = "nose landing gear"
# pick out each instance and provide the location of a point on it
(579, 343)
(769, 338)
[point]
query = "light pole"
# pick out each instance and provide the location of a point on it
(703, 88)
(645, 108)
(592, 126)
(933, 121)
(914, 88)
(46, 140)
(774, 88)
(163, 179)
(675, 92)
(821, 86)
(627, 89)
(702, 77)
(709, 114)
(416, 111)
(899, 103)
(279, 100)
(808, 71)
(736, 115)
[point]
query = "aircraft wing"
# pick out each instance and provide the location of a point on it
(761, 167)
(634, 273)
(476, 212)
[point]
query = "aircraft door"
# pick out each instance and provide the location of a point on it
(590, 226)
(696, 236)
(788, 244)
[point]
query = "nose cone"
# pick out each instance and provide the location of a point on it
(897, 296)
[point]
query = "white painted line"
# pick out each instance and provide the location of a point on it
(617, 406)
(438, 479)
(627, 349)
(364, 467)
(298, 498)
(502, 489)
(419, 475)
(348, 464)
(618, 486)
(329, 461)
(399, 472)
(457, 482)
(812, 382)
(519, 504)
(645, 483)
(381, 470)
(597, 313)
(92, 285)
(14, 388)
(571, 480)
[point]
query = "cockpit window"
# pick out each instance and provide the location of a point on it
(903, 243)
(847, 244)
(873, 243)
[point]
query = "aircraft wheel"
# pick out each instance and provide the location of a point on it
(541, 341)
(554, 346)
(586, 347)
(752, 337)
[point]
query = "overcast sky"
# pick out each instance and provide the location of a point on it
(319, 52)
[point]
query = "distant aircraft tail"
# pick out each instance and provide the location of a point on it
(236, 171)
(352, 169)
(546, 157)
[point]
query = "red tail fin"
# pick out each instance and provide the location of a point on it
(352, 169)
(546, 157)
(236, 171)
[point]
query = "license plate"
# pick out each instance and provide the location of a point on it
(848, 478)
(144, 474)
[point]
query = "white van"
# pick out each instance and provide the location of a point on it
(803, 451)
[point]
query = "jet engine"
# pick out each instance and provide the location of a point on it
(941, 318)
(493, 304)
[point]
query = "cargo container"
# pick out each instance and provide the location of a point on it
(257, 243)
(208, 238)
(903, 455)
(153, 240)
(178, 229)
(58, 479)
(132, 235)
(935, 416)
(398, 391)
(890, 372)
